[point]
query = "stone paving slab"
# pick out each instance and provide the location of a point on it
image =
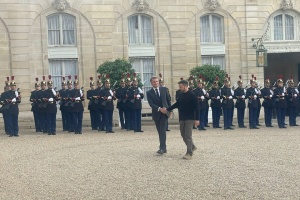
(239, 164)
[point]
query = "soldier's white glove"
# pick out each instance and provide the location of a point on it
(109, 98)
(51, 99)
(13, 100)
(218, 97)
(77, 99)
(282, 94)
(243, 96)
(295, 95)
(138, 96)
(230, 97)
(271, 96)
(255, 96)
(202, 97)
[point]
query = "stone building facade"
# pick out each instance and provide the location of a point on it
(68, 37)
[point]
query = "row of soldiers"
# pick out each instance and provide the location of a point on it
(278, 97)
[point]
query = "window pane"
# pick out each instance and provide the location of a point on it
(206, 60)
(205, 29)
(133, 30)
(70, 68)
(217, 30)
(146, 29)
(289, 27)
(68, 26)
(278, 28)
(56, 72)
(53, 30)
(220, 61)
(136, 65)
(148, 68)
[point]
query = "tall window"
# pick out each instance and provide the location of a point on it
(140, 29)
(211, 28)
(59, 68)
(61, 30)
(144, 67)
(284, 27)
(214, 60)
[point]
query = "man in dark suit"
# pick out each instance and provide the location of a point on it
(158, 99)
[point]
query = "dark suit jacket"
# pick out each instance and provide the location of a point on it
(155, 102)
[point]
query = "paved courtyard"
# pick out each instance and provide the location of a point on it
(239, 164)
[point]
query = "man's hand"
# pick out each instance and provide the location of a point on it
(163, 110)
(197, 123)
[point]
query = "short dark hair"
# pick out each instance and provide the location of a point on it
(153, 77)
(183, 82)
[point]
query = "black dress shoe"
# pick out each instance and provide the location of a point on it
(296, 125)
(271, 126)
(218, 127)
(53, 133)
(127, 129)
(243, 126)
(16, 135)
(255, 127)
(49, 133)
(161, 151)
(230, 128)
(207, 126)
(80, 133)
(258, 124)
(110, 132)
(168, 130)
(283, 127)
(232, 125)
(10, 135)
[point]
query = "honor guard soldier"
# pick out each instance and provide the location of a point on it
(34, 99)
(77, 109)
(258, 102)
(267, 95)
(227, 104)
(128, 120)
(135, 96)
(98, 106)
(6, 88)
(240, 96)
(63, 109)
(292, 101)
(68, 102)
(92, 106)
(215, 103)
(51, 109)
(252, 96)
(201, 97)
(121, 96)
(162, 84)
(11, 99)
(43, 104)
(280, 102)
(191, 83)
(207, 105)
(108, 97)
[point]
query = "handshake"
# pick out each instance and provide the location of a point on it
(163, 110)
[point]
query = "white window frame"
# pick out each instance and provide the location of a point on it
(140, 30)
(212, 60)
(211, 28)
(61, 39)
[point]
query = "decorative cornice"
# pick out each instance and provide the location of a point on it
(212, 5)
(286, 4)
(140, 5)
(60, 5)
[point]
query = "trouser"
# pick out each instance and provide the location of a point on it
(258, 114)
(281, 117)
(77, 121)
(186, 127)
(43, 122)
(227, 115)
(136, 117)
(12, 124)
(252, 117)
(231, 116)
(51, 122)
(161, 126)
(206, 116)
(107, 118)
(216, 113)
(99, 119)
(241, 116)
(268, 115)
(167, 125)
(127, 118)
(121, 117)
(70, 121)
(37, 123)
(201, 118)
(64, 120)
(292, 115)
(5, 122)
(93, 117)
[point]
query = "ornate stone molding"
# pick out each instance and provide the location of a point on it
(212, 5)
(286, 4)
(140, 5)
(60, 5)
(282, 47)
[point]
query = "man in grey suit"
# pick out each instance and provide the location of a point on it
(159, 100)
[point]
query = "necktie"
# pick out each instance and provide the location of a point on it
(157, 94)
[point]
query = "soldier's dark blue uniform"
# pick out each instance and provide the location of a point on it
(98, 105)
(67, 103)
(227, 105)
(90, 94)
(267, 95)
(240, 104)
(135, 96)
(62, 107)
(34, 99)
(51, 109)
(280, 103)
(77, 97)
(215, 104)
(292, 102)
(121, 96)
(42, 104)
(202, 104)
(251, 95)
